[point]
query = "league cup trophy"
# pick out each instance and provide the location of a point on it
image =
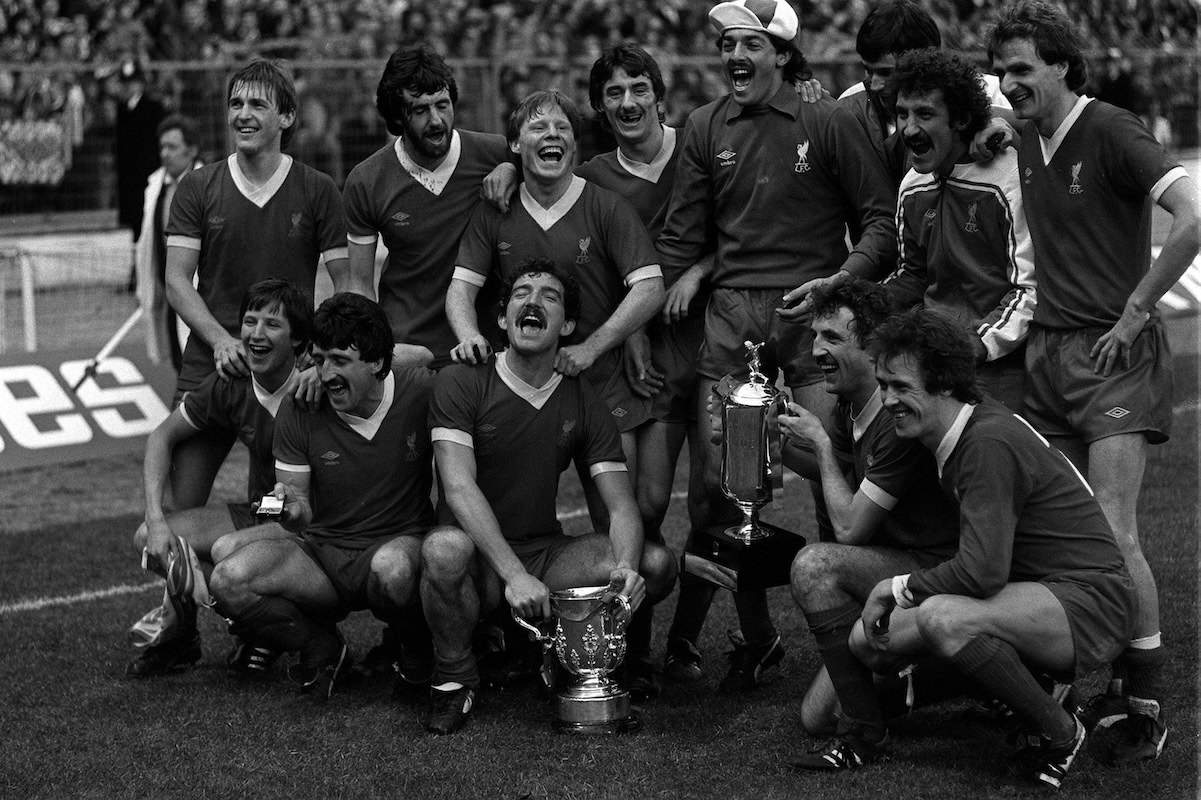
(746, 470)
(589, 641)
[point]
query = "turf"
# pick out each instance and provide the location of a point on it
(73, 727)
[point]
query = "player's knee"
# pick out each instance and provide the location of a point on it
(446, 555)
(224, 547)
(943, 625)
(229, 583)
(814, 575)
(394, 573)
(659, 569)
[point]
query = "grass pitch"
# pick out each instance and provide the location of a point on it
(73, 727)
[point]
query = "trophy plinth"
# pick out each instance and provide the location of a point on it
(589, 641)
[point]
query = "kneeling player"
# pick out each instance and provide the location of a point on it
(1038, 581)
(355, 479)
(276, 321)
(502, 432)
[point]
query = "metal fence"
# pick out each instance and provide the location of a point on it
(57, 121)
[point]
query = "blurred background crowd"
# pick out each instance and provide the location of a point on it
(71, 60)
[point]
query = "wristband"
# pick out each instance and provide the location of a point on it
(901, 593)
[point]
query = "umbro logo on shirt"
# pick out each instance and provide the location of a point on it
(330, 457)
(400, 218)
(726, 158)
(1117, 412)
(503, 248)
(216, 222)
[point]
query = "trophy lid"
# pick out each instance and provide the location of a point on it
(754, 393)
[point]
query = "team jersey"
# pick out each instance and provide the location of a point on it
(1025, 513)
(964, 250)
(369, 478)
(646, 187)
(523, 438)
(420, 228)
(244, 408)
(1088, 193)
(245, 235)
(590, 233)
(775, 189)
(896, 474)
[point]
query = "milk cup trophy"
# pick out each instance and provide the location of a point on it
(589, 641)
(745, 458)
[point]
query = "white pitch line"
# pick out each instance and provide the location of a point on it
(39, 603)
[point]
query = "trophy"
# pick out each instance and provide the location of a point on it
(589, 641)
(746, 470)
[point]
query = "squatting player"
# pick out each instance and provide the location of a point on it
(417, 194)
(355, 478)
(256, 214)
(1099, 381)
(276, 322)
(1038, 580)
(517, 409)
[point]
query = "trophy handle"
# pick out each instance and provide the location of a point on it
(621, 619)
(535, 632)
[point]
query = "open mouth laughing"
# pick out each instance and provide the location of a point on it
(531, 320)
(740, 76)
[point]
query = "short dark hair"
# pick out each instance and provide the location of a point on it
(420, 70)
(1051, 32)
(544, 266)
(929, 69)
(295, 304)
(893, 27)
(869, 304)
(631, 58)
(796, 68)
(349, 320)
(275, 78)
(178, 122)
(939, 346)
(537, 103)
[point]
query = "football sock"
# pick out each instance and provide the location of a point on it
(274, 622)
(1144, 672)
(638, 634)
(996, 666)
(754, 617)
(852, 681)
(696, 595)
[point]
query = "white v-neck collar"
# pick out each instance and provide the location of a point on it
(654, 170)
(1049, 146)
(259, 195)
(860, 421)
(951, 438)
(536, 396)
(367, 427)
(547, 217)
(272, 400)
(435, 179)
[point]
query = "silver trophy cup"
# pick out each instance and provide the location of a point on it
(746, 476)
(589, 641)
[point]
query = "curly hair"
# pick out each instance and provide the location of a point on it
(349, 320)
(1051, 32)
(930, 69)
(941, 348)
(544, 266)
(420, 70)
(869, 303)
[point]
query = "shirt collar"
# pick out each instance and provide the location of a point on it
(367, 427)
(536, 396)
(860, 421)
(272, 400)
(1049, 146)
(951, 438)
(654, 170)
(785, 100)
(433, 179)
(547, 217)
(259, 195)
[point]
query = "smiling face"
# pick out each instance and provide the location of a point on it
(931, 136)
(255, 120)
(753, 67)
(1036, 90)
(630, 106)
(845, 365)
(267, 340)
(428, 126)
(546, 144)
(535, 315)
(917, 413)
(348, 380)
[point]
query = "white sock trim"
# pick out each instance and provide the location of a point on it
(1146, 642)
(449, 686)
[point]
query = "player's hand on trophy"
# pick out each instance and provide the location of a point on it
(800, 424)
(528, 596)
(499, 185)
(229, 358)
(644, 379)
(575, 358)
(633, 585)
(876, 611)
(472, 350)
